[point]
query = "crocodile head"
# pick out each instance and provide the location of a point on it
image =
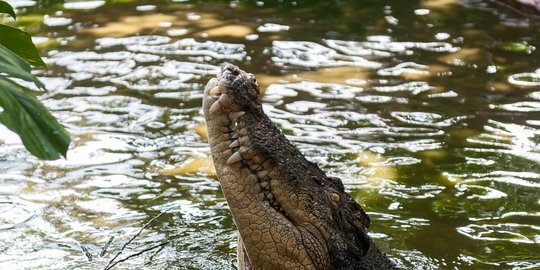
(289, 213)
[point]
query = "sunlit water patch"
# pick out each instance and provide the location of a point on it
(525, 79)
(518, 140)
(313, 55)
(84, 5)
(412, 87)
(385, 45)
(191, 47)
(425, 119)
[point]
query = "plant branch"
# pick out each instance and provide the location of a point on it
(111, 262)
(136, 254)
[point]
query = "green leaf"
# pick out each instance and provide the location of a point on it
(15, 66)
(20, 42)
(40, 132)
(6, 8)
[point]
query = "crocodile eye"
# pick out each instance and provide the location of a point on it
(335, 197)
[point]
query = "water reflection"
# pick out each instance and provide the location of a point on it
(525, 79)
(84, 5)
(313, 55)
(428, 112)
(517, 233)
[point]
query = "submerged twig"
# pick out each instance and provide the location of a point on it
(113, 263)
(136, 254)
(106, 246)
(86, 252)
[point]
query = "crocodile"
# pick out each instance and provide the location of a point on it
(289, 213)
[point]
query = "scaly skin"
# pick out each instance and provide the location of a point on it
(289, 213)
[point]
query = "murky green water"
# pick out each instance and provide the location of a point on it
(428, 110)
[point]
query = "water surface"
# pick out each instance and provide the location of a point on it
(428, 110)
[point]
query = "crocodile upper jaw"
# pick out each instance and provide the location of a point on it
(248, 177)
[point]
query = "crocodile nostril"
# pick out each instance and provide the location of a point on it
(232, 68)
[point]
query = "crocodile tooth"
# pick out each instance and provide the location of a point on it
(215, 107)
(225, 100)
(262, 174)
(254, 167)
(234, 144)
(264, 184)
(270, 196)
(236, 157)
(215, 91)
(234, 135)
(234, 115)
(247, 153)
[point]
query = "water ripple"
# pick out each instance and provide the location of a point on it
(384, 46)
(111, 113)
(525, 79)
(272, 27)
(530, 180)
(313, 55)
(320, 90)
(522, 106)
(479, 192)
(86, 5)
(414, 258)
(16, 212)
(123, 68)
(414, 87)
(108, 42)
(95, 149)
(515, 139)
(398, 132)
(191, 47)
(410, 192)
(426, 119)
(96, 63)
(511, 232)
(407, 67)
(399, 221)
(363, 102)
